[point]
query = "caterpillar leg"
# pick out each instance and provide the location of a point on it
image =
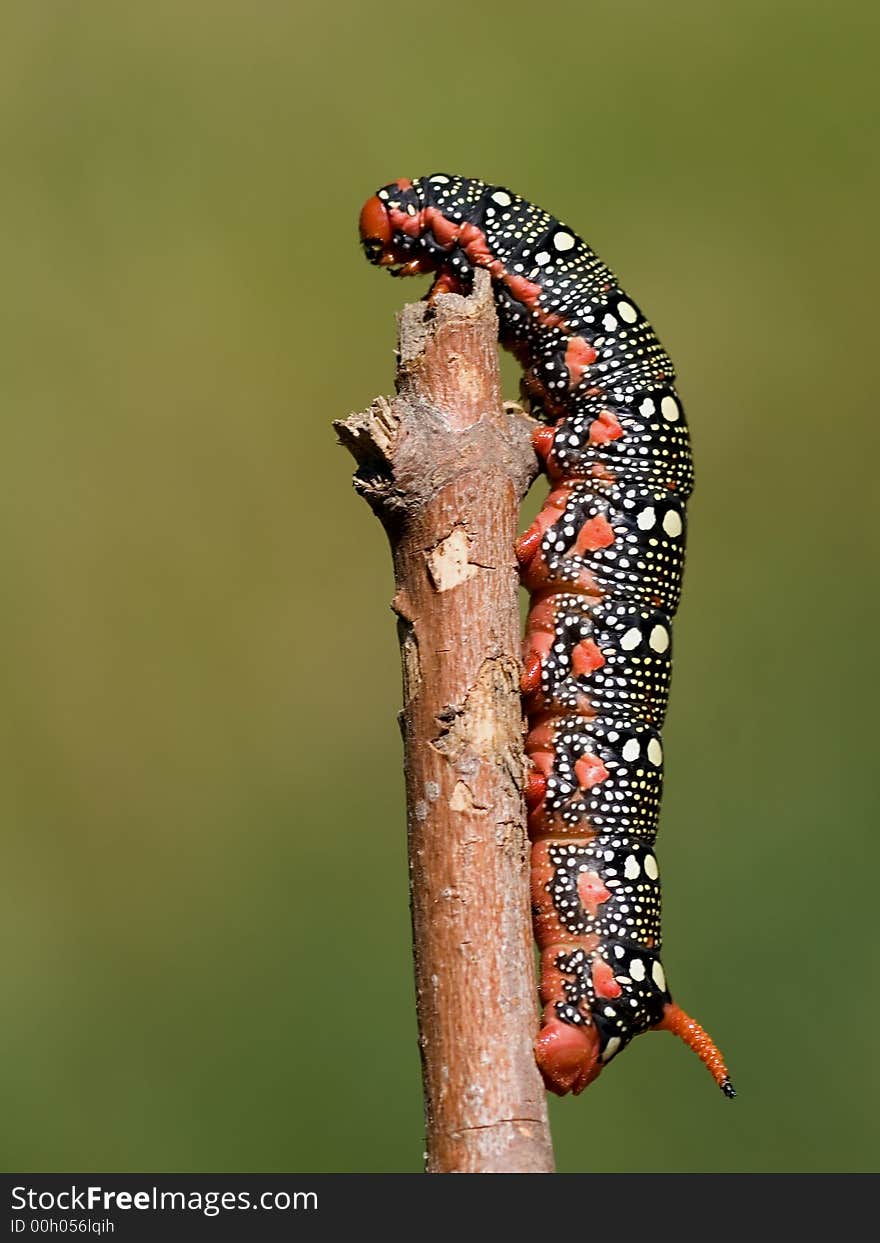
(535, 787)
(531, 675)
(446, 282)
(414, 267)
(542, 442)
(529, 542)
(567, 1056)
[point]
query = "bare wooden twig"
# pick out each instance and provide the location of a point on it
(445, 465)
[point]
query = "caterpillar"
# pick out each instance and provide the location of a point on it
(603, 565)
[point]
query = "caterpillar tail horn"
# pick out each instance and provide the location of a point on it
(695, 1037)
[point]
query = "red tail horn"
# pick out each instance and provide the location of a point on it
(689, 1030)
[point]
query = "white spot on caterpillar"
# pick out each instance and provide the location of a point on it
(502, 198)
(670, 409)
(637, 969)
(659, 975)
(440, 180)
(630, 750)
(627, 313)
(647, 518)
(631, 639)
(659, 638)
(651, 868)
(609, 323)
(619, 951)
(611, 1048)
(631, 868)
(563, 240)
(542, 258)
(609, 1012)
(672, 524)
(655, 755)
(647, 407)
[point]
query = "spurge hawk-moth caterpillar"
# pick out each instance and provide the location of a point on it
(603, 563)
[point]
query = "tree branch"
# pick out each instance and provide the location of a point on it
(445, 465)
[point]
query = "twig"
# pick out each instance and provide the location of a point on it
(445, 465)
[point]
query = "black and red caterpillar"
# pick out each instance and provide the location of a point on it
(603, 562)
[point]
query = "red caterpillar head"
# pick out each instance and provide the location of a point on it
(391, 225)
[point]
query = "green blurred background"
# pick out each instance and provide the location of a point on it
(201, 797)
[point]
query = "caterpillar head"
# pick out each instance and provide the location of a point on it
(391, 230)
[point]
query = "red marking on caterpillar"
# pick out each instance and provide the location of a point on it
(586, 658)
(604, 982)
(603, 562)
(592, 892)
(595, 534)
(590, 771)
(604, 428)
(579, 357)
